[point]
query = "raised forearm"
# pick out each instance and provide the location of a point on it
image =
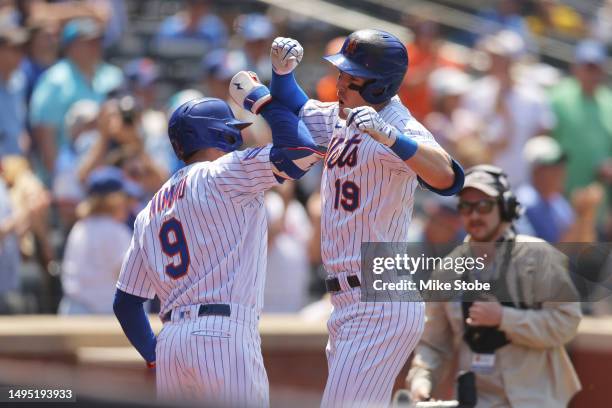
(432, 165)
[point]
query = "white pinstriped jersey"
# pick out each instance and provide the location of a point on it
(202, 238)
(367, 190)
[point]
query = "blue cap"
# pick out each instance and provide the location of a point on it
(590, 52)
(80, 28)
(141, 71)
(108, 179)
(254, 26)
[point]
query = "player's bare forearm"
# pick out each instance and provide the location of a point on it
(432, 165)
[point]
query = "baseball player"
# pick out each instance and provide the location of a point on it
(377, 154)
(200, 246)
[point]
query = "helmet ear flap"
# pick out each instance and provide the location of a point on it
(376, 91)
(371, 91)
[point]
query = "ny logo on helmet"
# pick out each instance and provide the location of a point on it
(351, 47)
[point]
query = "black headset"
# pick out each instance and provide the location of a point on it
(509, 207)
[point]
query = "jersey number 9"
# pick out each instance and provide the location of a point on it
(173, 242)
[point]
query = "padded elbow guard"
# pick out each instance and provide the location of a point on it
(457, 183)
(291, 163)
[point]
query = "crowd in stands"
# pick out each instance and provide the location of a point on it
(83, 142)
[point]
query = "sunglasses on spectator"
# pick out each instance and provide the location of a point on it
(484, 206)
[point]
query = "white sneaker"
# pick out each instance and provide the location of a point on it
(247, 91)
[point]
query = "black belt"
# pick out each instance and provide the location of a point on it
(204, 310)
(333, 284)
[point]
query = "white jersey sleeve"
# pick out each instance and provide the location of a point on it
(244, 174)
(134, 276)
(320, 118)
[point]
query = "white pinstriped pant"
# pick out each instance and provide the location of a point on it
(369, 343)
(213, 359)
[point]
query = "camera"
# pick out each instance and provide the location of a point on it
(127, 104)
(128, 109)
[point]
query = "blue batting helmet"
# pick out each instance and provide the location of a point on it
(203, 123)
(379, 57)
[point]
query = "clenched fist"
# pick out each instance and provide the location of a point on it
(286, 54)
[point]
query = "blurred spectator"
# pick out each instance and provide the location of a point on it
(313, 207)
(13, 135)
(194, 26)
(583, 106)
(80, 75)
(28, 12)
(601, 27)
(538, 74)
(257, 32)
(219, 67)
(505, 15)
(108, 13)
(120, 142)
(425, 56)
(41, 52)
(25, 189)
(180, 98)
(318, 274)
(552, 18)
(288, 234)
(142, 76)
(140, 168)
(512, 111)
(114, 13)
(457, 129)
(10, 261)
(16, 218)
(82, 127)
(442, 222)
(96, 245)
(326, 87)
(550, 215)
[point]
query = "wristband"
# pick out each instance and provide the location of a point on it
(404, 147)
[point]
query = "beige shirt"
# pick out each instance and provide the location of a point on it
(534, 370)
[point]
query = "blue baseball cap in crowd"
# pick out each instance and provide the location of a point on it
(108, 179)
(590, 52)
(141, 71)
(254, 26)
(80, 29)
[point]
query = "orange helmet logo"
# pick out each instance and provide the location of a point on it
(351, 47)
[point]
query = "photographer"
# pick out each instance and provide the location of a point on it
(514, 343)
(118, 125)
